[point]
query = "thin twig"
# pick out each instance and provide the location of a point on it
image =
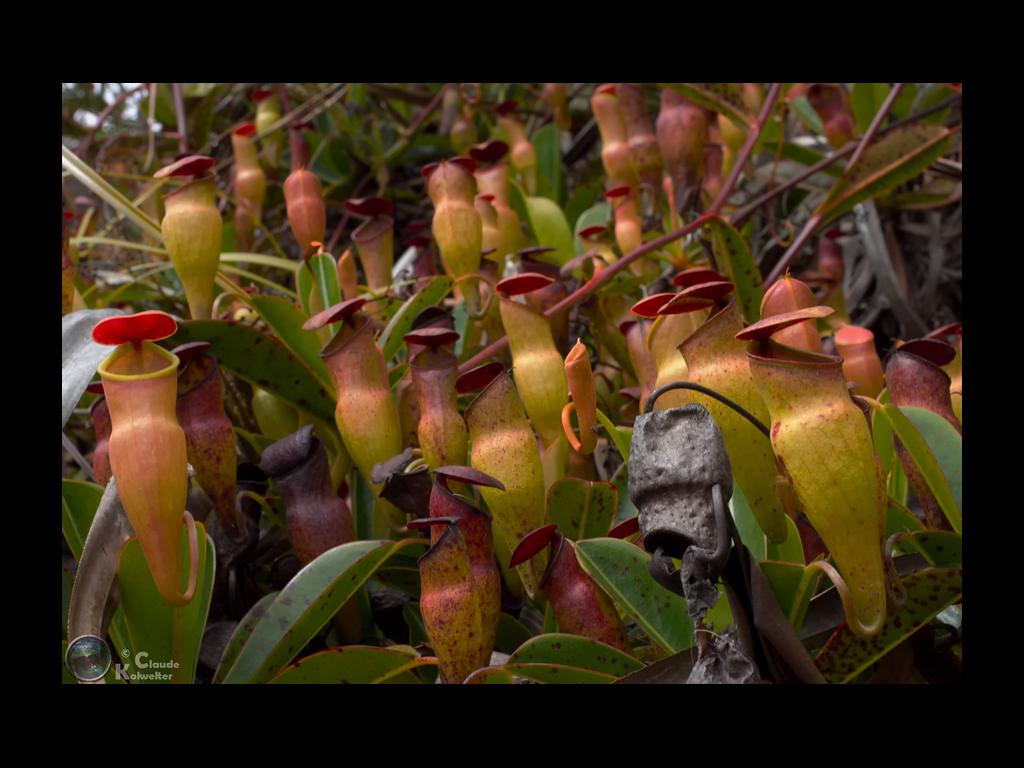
(78, 457)
(876, 121)
(121, 97)
(415, 125)
(741, 216)
(179, 108)
(340, 229)
(803, 237)
(600, 278)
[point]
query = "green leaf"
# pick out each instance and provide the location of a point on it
(164, 633)
(511, 633)
(549, 161)
(904, 103)
(325, 282)
(304, 287)
(627, 509)
(802, 109)
(746, 524)
(897, 520)
(845, 655)
(392, 337)
(793, 586)
(491, 676)
(285, 320)
(559, 673)
(79, 501)
(867, 99)
(306, 604)
(356, 664)
(100, 187)
(620, 569)
(241, 635)
(582, 509)
(575, 651)
(621, 437)
(261, 360)
(807, 156)
(196, 90)
(550, 229)
(942, 549)
(596, 215)
(895, 158)
(790, 550)
(930, 95)
(734, 258)
(948, 445)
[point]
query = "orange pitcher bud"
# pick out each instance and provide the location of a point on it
(584, 399)
(304, 200)
(192, 231)
(348, 281)
(555, 97)
(615, 152)
(643, 144)
(250, 184)
(786, 295)
(861, 365)
(523, 155)
(493, 180)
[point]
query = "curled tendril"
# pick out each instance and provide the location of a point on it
(570, 435)
(220, 297)
(490, 294)
(710, 393)
(264, 504)
(193, 555)
(847, 601)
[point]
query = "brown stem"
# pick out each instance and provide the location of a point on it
(179, 109)
(740, 217)
(806, 232)
(121, 97)
(876, 121)
(602, 277)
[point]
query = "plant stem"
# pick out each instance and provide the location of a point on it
(121, 97)
(602, 277)
(739, 218)
(876, 121)
(179, 108)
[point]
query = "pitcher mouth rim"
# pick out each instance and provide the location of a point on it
(170, 370)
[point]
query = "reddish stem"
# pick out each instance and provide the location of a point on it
(602, 277)
(876, 121)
